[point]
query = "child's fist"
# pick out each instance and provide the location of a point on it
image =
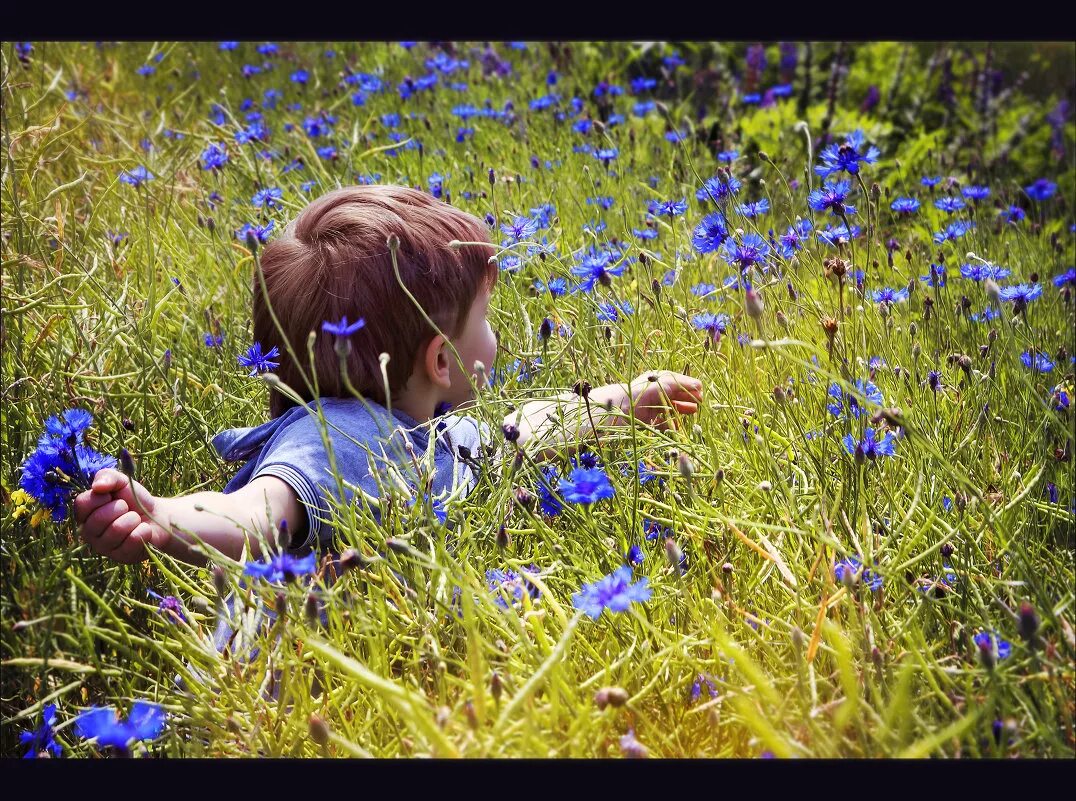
(114, 517)
(655, 392)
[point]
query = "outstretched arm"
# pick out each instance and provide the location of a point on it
(118, 518)
(652, 398)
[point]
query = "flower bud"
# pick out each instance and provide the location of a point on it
(310, 609)
(546, 329)
(610, 696)
(393, 241)
(1029, 622)
(674, 555)
(986, 654)
(127, 463)
(492, 177)
(797, 638)
(753, 304)
(685, 466)
(496, 688)
(511, 433)
(993, 291)
(281, 604)
(319, 730)
(502, 537)
(219, 580)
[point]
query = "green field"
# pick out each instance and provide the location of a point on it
(861, 546)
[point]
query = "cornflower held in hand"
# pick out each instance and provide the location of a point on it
(614, 592)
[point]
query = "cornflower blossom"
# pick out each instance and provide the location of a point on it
(667, 208)
(102, 724)
(548, 499)
(610, 312)
(841, 399)
(846, 157)
(1041, 190)
(714, 189)
(851, 566)
(831, 197)
(870, 446)
(1036, 361)
(930, 181)
(714, 324)
(792, 239)
(754, 208)
(980, 272)
(595, 268)
(259, 362)
(214, 157)
(520, 228)
(990, 641)
(1013, 214)
(260, 232)
(267, 198)
(751, 250)
(42, 738)
(953, 231)
(835, 235)
(1021, 294)
(905, 205)
(950, 205)
(136, 177)
(511, 584)
(976, 193)
(1066, 278)
(710, 234)
(281, 567)
(614, 592)
(889, 295)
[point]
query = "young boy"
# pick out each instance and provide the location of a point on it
(333, 264)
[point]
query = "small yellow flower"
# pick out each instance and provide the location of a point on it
(39, 515)
(23, 503)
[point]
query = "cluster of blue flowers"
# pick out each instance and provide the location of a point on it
(63, 464)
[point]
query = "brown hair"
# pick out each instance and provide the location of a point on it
(333, 260)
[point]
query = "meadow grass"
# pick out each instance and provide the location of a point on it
(752, 645)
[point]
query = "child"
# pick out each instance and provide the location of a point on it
(332, 265)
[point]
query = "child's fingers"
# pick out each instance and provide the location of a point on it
(100, 520)
(88, 501)
(685, 407)
(133, 548)
(109, 480)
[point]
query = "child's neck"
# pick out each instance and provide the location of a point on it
(419, 406)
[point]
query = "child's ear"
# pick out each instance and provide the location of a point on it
(436, 362)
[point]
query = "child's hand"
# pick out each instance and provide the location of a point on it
(655, 392)
(113, 517)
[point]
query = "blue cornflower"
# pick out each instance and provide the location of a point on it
(832, 198)
(605, 202)
(696, 687)
(136, 177)
(23, 51)
(728, 156)
(703, 290)
(754, 208)
(976, 192)
(751, 99)
(255, 132)
(889, 295)
(261, 232)
(710, 234)
(842, 399)
(980, 272)
(714, 189)
(950, 205)
(521, 228)
(953, 231)
(214, 157)
(667, 208)
(1041, 190)
(870, 447)
(267, 198)
(281, 567)
(1036, 361)
(543, 215)
(990, 641)
(268, 48)
(595, 268)
(634, 556)
(987, 314)
(73, 423)
(229, 45)
(852, 566)
(751, 250)
(792, 239)
(259, 362)
(1067, 277)
(645, 233)
(1013, 214)
(846, 157)
(211, 341)
(905, 205)
(677, 136)
(936, 277)
(343, 328)
(930, 181)
(306, 186)
(300, 76)
(556, 286)
(614, 592)
(328, 152)
(653, 530)
(643, 108)
(715, 324)
(837, 234)
(436, 506)
(585, 486)
(511, 584)
(169, 606)
(548, 499)
(43, 738)
(146, 722)
(605, 155)
(610, 312)
(436, 184)
(642, 84)
(1021, 294)
(934, 380)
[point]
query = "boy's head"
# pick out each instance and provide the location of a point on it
(333, 261)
